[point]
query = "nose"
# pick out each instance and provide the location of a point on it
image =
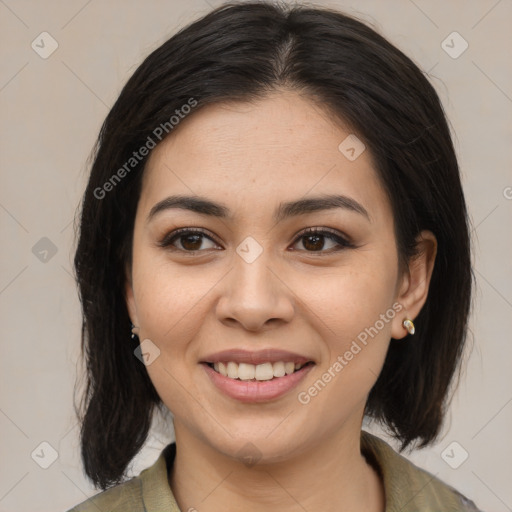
(255, 296)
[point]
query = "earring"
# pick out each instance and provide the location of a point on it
(135, 331)
(409, 326)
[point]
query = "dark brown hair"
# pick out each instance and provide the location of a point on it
(241, 52)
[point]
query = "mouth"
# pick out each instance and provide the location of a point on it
(260, 372)
(256, 377)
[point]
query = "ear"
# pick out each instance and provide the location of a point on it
(415, 282)
(129, 296)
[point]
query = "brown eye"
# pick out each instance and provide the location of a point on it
(315, 240)
(188, 240)
(191, 242)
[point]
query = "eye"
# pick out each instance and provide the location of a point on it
(188, 240)
(314, 240)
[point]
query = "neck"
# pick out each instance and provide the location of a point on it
(203, 478)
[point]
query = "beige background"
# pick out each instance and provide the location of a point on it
(52, 110)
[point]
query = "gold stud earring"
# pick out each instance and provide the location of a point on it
(409, 326)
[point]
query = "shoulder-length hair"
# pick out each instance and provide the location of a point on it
(241, 52)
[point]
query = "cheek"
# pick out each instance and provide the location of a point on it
(163, 307)
(350, 302)
(172, 304)
(355, 313)
(172, 301)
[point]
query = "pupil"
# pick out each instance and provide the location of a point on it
(195, 244)
(317, 242)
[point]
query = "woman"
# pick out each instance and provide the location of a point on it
(273, 244)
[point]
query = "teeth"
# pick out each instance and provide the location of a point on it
(265, 371)
(279, 370)
(232, 370)
(245, 371)
(289, 368)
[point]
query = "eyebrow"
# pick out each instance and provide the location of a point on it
(285, 210)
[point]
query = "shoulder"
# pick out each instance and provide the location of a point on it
(148, 492)
(125, 497)
(409, 488)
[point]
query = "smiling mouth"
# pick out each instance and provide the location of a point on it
(258, 372)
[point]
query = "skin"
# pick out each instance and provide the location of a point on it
(295, 296)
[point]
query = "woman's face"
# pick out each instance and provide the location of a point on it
(251, 288)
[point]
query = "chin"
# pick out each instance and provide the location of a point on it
(260, 443)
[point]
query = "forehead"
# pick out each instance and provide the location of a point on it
(283, 146)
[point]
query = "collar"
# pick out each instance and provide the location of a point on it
(407, 488)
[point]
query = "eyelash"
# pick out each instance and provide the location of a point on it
(331, 234)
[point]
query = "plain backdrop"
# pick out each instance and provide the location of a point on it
(52, 106)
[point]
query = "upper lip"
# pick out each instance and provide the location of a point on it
(255, 357)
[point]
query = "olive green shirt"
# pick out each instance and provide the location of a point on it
(407, 487)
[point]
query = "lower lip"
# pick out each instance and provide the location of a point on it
(253, 391)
